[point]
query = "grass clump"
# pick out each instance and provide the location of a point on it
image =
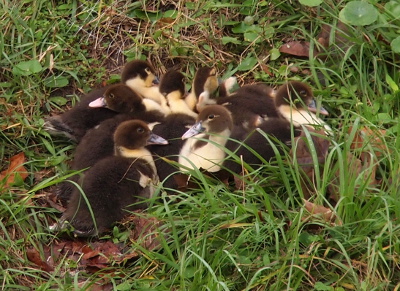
(219, 238)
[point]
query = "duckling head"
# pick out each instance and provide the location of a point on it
(213, 119)
(133, 135)
(205, 80)
(298, 95)
(140, 73)
(172, 85)
(120, 98)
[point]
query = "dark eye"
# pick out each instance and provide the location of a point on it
(147, 70)
(111, 95)
(140, 130)
(303, 93)
(211, 116)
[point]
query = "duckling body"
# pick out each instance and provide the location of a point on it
(280, 132)
(206, 82)
(116, 184)
(174, 126)
(75, 122)
(172, 86)
(214, 124)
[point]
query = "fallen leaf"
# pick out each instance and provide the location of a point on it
(15, 168)
(34, 256)
(296, 48)
(147, 230)
(319, 210)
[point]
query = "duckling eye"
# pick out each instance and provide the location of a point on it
(111, 95)
(303, 93)
(147, 70)
(140, 130)
(211, 117)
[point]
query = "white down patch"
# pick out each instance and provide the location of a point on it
(303, 117)
(209, 156)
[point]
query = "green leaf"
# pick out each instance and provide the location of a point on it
(241, 28)
(269, 32)
(395, 45)
(58, 100)
(171, 14)
(358, 13)
(56, 82)
(393, 7)
(322, 287)
(275, 54)
(228, 39)
(392, 83)
(251, 36)
(247, 64)
(310, 3)
(27, 68)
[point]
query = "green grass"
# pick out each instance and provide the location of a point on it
(261, 238)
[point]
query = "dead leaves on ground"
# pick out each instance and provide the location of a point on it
(339, 44)
(14, 171)
(100, 255)
(321, 212)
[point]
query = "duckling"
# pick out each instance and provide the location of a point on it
(291, 101)
(226, 86)
(117, 184)
(172, 86)
(174, 126)
(98, 143)
(140, 77)
(250, 103)
(75, 122)
(121, 98)
(281, 133)
(206, 82)
(214, 124)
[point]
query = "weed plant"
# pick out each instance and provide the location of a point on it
(260, 238)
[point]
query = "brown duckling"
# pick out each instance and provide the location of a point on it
(295, 102)
(172, 86)
(206, 82)
(75, 122)
(115, 185)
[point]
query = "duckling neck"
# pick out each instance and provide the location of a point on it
(178, 105)
(207, 155)
(302, 117)
(141, 153)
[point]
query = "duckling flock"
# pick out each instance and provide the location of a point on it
(132, 135)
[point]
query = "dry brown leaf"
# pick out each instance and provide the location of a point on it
(296, 48)
(34, 256)
(15, 168)
(366, 135)
(320, 210)
(146, 231)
